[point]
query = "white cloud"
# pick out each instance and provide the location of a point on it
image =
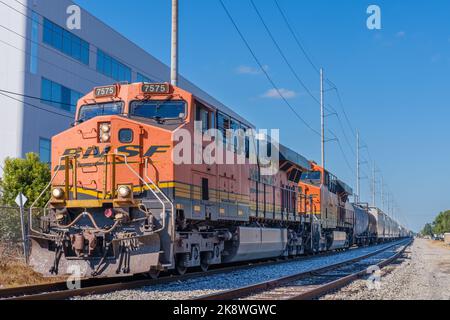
(250, 70)
(281, 93)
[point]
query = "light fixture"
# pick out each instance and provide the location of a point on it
(109, 213)
(124, 191)
(105, 127)
(105, 137)
(58, 193)
(104, 132)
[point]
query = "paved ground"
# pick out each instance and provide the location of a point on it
(422, 274)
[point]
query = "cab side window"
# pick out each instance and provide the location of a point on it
(203, 115)
(223, 125)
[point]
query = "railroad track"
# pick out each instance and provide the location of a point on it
(315, 283)
(59, 291)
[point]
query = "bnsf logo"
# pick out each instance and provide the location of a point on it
(129, 150)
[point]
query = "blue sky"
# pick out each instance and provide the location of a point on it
(393, 82)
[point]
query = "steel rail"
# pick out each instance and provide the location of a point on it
(59, 290)
(271, 284)
(340, 283)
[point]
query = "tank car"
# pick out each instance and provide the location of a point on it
(365, 230)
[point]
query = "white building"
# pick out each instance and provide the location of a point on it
(45, 68)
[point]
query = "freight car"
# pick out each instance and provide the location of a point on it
(365, 230)
(386, 227)
(122, 202)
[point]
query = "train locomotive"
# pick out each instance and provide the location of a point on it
(120, 204)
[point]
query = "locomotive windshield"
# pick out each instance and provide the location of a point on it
(102, 109)
(159, 110)
(313, 177)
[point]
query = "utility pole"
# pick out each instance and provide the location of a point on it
(373, 187)
(382, 193)
(174, 58)
(322, 117)
(388, 204)
(358, 190)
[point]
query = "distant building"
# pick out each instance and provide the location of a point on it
(45, 68)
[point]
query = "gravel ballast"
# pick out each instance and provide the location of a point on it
(423, 273)
(209, 284)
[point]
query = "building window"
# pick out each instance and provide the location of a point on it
(141, 78)
(45, 150)
(66, 42)
(34, 42)
(59, 96)
(112, 68)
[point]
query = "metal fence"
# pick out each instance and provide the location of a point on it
(11, 240)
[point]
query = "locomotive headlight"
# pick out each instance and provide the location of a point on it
(105, 127)
(104, 132)
(105, 137)
(58, 193)
(124, 191)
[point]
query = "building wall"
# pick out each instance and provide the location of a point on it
(25, 59)
(12, 78)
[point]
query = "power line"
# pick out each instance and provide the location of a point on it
(90, 44)
(35, 106)
(294, 35)
(342, 151)
(281, 52)
(50, 63)
(36, 98)
(301, 82)
(302, 48)
(343, 130)
(335, 88)
(264, 69)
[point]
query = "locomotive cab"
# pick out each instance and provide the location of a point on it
(111, 210)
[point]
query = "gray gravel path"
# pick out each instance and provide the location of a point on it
(422, 274)
(209, 284)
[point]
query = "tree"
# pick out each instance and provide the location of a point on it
(427, 230)
(29, 176)
(442, 223)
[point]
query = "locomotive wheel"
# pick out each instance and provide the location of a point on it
(204, 266)
(154, 273)
(180, 270)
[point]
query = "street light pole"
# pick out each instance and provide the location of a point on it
(174, 56)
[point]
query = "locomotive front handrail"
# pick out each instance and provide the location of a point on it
(172, 212)
(33, 206)
(151, 190)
